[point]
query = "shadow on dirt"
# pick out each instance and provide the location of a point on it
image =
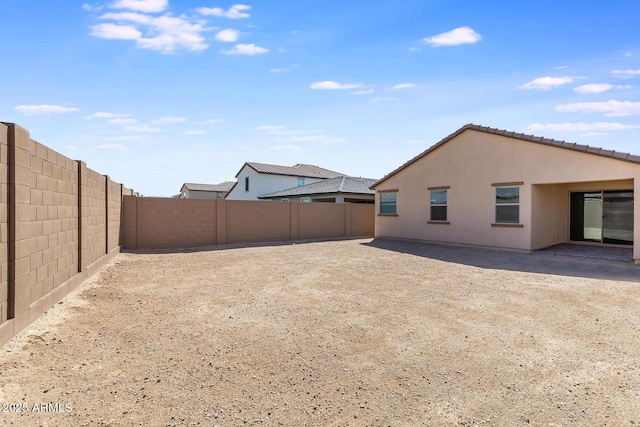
(533, 262)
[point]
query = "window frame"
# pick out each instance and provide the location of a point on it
(246, 184)
(300, 182)
(395, 203)
(498, 204)
(305, 199)
(439, 205)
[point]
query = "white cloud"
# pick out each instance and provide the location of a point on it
(546, 83)
(462, 35)
(116, 147)
(580, 127)
(626, 73)
(141, 5)
(120, 121)
(363, 92)
(143, 128)
(562, 67)
(285, 148)
(194, 132)
(103, 115)
(234, 12)
(628, 54)
(414, 49)
(165, 34)
(610, 108)
(115, 32)
(245, 49)
(270, 128)
(168, 120)
(212, 121)
(284, 70)
(331, 85)
(403, 86)
(71, 147)
(228, 35)
(593, 88)
(32, 110)
(90, 8)
(598, 88)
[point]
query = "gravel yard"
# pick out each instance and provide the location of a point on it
(344, 333)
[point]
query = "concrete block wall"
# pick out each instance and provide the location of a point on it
(322, 220)
(53, 227)
(160, 223)
(168, 223)
(4, 225)
(255, 221)
(93, 227)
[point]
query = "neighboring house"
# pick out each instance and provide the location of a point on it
(337, 190)
(205, 191)
(489, 187)
(257, 179)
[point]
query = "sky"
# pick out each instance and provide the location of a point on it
(156, 93)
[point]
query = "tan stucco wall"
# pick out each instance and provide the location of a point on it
(473, 161)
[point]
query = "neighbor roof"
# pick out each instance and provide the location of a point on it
(302, 170)
(222, 187)
(520, 136)
(343, 184)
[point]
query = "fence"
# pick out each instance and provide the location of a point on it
(59, 222)
(158, 223)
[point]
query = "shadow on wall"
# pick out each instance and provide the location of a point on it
(534, 262)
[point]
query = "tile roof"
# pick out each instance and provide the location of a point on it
(343, 184)
(222, 187)
(302, 170)
(627, 157)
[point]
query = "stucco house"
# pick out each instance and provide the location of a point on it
(257, 179)
(205, 191)
(489, 187)
(344, 189)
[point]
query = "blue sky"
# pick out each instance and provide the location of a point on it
(155, 93)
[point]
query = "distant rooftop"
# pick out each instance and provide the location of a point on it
(222, 187)
(302, 170)
(343, 184)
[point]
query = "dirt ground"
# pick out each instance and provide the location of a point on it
(347, 333)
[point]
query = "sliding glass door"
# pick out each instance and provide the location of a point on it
(602, 217)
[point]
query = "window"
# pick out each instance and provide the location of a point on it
(246, 183)
(184, 195)
(388, 203)
(508, 205)
(284, 200)
(439, 205)
(300, 182)
(305, 199)
(218, 195)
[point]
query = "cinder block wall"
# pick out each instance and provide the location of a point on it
(159, 223)
(59, 222)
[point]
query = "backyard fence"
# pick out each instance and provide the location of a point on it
(61, 221)
(158, 223)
